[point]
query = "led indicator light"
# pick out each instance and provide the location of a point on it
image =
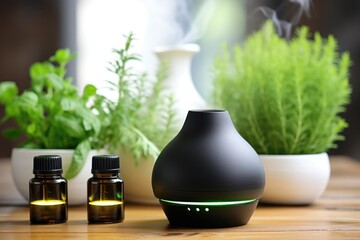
(209, 203)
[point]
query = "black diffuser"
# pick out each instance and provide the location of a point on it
(208, 175)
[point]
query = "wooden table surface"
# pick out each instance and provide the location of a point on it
(335, 216)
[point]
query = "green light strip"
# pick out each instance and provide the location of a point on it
(209, 203)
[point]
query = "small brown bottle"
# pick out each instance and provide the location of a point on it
(48, 191)
(105, 191)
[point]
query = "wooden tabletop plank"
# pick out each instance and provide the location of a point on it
(336, 215)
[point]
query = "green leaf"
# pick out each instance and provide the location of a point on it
(39, 73)
(71, 125)
(54, 81)
(87, 125)
(57, 138)
(89, 91)
(68, 104)
(90, 121)
(12, 133)
(8, 92)
(129, 39)
(31, 129)
(40, 69)
(78, 160)
(28, 100)
(92, 124)
(63, 56)
(12, 110)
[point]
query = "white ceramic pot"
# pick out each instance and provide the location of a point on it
(137, 179)
(22, 165)
(295, 179)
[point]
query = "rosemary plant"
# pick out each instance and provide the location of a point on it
(141, 119)
(285, 96)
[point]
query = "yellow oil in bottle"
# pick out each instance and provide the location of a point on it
(105, 191)
(48, 191)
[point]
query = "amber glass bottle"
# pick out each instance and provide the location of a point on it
(48, 191)
(105, 191)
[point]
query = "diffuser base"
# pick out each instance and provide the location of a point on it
(208, 215)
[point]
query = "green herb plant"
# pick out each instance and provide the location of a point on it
(141, 119)
(285, 96)
(51, 114)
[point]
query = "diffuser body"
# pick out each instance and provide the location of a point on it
(208, 175)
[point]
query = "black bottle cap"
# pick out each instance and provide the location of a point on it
(47, 164)
(105, 164)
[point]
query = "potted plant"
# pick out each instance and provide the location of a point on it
(285, 98)
(54, 119)
(139, 121)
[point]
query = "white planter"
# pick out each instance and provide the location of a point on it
(22, 165)
(295, 179)
(137, 179)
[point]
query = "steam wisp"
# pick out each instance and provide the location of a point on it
(175, 19)
(287, 15)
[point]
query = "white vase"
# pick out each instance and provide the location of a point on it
(295, 179)
(179, 81)
(137, 179)
(22, 171)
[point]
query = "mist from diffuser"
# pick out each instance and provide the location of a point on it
(208, 175)
(287, 15)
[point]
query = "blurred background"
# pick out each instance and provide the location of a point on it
(31, 31)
